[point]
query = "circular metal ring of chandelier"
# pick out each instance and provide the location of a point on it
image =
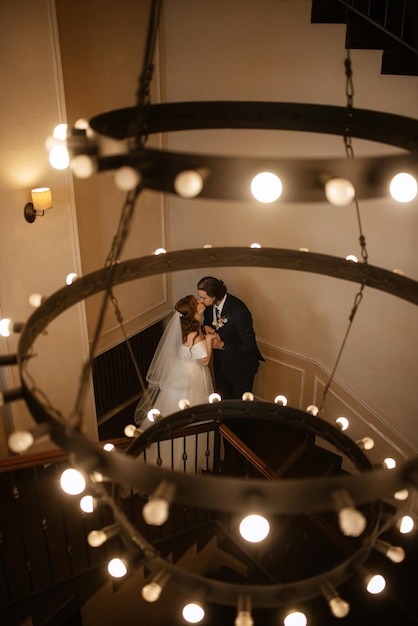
(227, 177)
(366, 487)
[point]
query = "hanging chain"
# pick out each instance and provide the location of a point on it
(349, 91)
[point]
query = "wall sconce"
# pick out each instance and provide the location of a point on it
(41, 202)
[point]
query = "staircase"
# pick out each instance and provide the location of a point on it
(387, 25)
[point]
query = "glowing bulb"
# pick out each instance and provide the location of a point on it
(59, 158)
(20, 441)
(255, 245)
(127, 178)
(399, 272)
(396, 554)
(153, 415)
(339, 191)
(184, 404)
(5, 327)
(342, 422)
(351, 521)
(406, 524)
(389, 463)
(72, 482)
(375, 584)
(151, 592)
(108, 447)
(207, 245)
(339, 607)
(83, 166)
(312, 409)
(130, 430)
(193, 613)
(70, 278)
(117, 568)
(403, 187)
(155, 512)
(35, 300)
(81, 124)
(160, 251)
(188, 184)
(295, 618)
(352, 257)
(244, 619)
(214, 397)
(367, 443)
(87, 504)
(403, 494)
(266, 187)
(280, 400)
(96, 538)
(254, 528)
(60, 132)
(247, 396)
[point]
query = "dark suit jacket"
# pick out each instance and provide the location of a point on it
(240, 356)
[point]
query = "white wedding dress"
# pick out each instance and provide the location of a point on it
(189, 380)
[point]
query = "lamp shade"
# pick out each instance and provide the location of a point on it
(41, 198)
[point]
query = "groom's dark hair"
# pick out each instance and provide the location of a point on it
(214, 287)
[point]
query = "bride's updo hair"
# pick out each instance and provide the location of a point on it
(187, 308)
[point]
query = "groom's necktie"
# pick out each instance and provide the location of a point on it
(218, 312)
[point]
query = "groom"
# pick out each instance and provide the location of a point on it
(235, 353)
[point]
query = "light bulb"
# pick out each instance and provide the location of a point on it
(184, 404)
(109, 447)
(127, 178)
(96, 538)
(193, 613)
(339, 607)
(72, 482)
(20, 441)
(389, 463)
(351, 257)
(339, 191)
(295, 618)
(266, 187)
(405, 524)
(367, 443)
(312, 409)
(70, 278)
(403, 187)
(160, 251)
(151, 592)
(35, 300)
(153, 415)
(254, 528)
(396, 554)
(375, 584)
(87, 504)
(280, 400)
(117, 568)
(155, 512)
(130, 430)
(5, 327)
(214, 397)
(247, 396)
(244, 618)
(188, 184)
(402, 494)
(60, 132)
(255, 245)
(342, 422)
(59, 157)
(351, 521)
(83, 166)
(81, 124)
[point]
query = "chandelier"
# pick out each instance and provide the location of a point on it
(356, 499)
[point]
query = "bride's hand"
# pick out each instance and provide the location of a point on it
(208, 330)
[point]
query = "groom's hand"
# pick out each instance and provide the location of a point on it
(217, 342)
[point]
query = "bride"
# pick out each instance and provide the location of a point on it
(179, 371)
